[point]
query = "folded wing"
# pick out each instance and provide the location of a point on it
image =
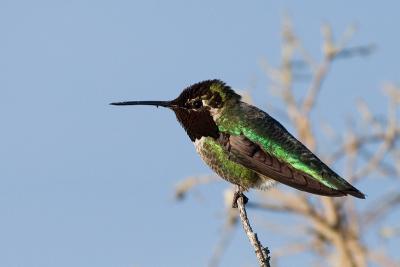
(265, 146)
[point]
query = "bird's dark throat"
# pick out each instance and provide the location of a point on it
(197, 123)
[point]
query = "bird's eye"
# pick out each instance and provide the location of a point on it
(197, 103)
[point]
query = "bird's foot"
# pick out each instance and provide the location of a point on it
(236, 196)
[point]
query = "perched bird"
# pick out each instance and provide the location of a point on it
(246, 146)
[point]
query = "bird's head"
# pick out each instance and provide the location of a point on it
(197, 107)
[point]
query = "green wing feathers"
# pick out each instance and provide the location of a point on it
(261, 143)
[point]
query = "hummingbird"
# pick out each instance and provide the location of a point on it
(245, 145)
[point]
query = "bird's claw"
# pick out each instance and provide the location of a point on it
(236, 196)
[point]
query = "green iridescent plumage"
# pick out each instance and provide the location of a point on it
(259, 127)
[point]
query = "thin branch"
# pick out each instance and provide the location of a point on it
(183, 187)
(316, 84)
(262, 253)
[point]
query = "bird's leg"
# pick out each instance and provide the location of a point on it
(238, 193)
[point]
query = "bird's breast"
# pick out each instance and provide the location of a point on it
(219, 160)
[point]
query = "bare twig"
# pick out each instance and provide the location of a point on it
(189, 183)
(316, 84)
(261, 252)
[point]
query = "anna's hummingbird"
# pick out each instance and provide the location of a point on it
(246, 146)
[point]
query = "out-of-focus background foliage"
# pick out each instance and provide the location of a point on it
(86, 184)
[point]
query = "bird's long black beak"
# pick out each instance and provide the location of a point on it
(166, 104)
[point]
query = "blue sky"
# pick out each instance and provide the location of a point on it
(86, 184)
